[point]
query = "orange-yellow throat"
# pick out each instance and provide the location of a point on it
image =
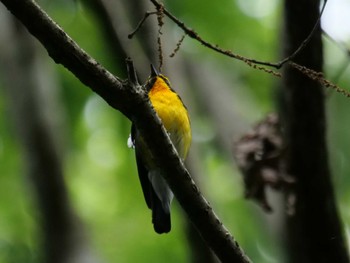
(173, 114)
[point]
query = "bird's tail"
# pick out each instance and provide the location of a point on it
(161, 197)
(160, 218)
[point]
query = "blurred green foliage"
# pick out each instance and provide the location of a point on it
(100, 169)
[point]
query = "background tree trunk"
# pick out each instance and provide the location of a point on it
(37, 117)
(314, 230)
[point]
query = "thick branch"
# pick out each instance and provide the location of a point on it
(63, 50)
(133, 103)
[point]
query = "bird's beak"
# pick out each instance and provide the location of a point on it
(154, 72)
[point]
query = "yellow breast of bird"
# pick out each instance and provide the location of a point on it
(173, 114)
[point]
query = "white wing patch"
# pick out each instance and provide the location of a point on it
(131, 142)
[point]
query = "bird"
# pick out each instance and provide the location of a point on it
(175, 118)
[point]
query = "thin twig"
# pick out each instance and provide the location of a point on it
(160, 16)
(306, 40)
(177, 46)
(139, 25)
(318, 76)
(191, 33)
(132, 76)
(249, 61)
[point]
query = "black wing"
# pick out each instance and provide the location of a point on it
(142, 171)
(160, 218)
(145, 183)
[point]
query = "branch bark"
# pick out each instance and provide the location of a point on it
(314, 230)
(133, 102)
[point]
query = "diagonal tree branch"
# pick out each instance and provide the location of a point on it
(133, 102)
